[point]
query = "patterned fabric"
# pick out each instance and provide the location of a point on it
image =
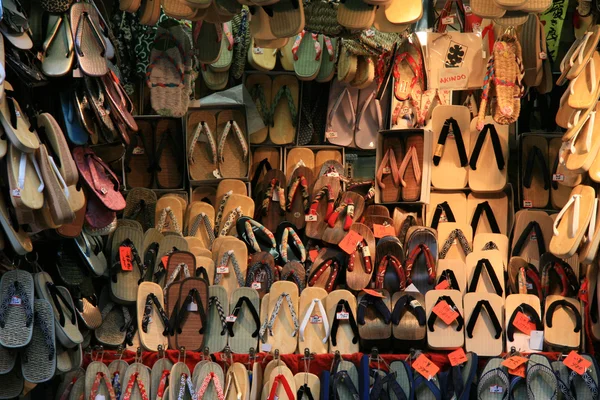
(429, 261)
(116, 383)
(296, 45)
(294, 277)
(186, 382)
(241, 40)
(490, 246)
(298, 183)
(202, 217)
(285, 90)
(221, 209)
(162, 221)
(163, 384)
(252, 238)
(462, 240)
(214, 301)
(47, 335)
(203, 127)
(269, 324)
(227, 257)
(231, 219)
(175, 274)
(274, 187)
(150, 299)
(257, 93)
(16, 290)
(588, 380)
(132, 381)
(239, 135)
(99, 377)
(283, 249)
(348, 207)
(211, 377)
(324, 191)
(363, 249)
(254, 274)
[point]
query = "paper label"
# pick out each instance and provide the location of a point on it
(138, 150)
(457, 357)
(192, 307)
(99, 397)
(380, 231)
(350, 241)
(445, 312)
(533, 237)
(258, 50)
(370, 32)
(275, 196)
(527, 204)
(311, 218)
(449, 20)
(366, 252)
(536, 340)
(523, 323)
(412, 288)
(217, 174)
(15, 301)
(443, 285)
(439, 150)
(496, 389)
(230, 318)
(514, 362)
(77, 74)
(331, 134)
(543, 55)
(317, 319)
(313, 254)
(126, 258)
(164, 261)
(558, 177)
(425, 367)
(342, 315)
(519, 371)
(387, 170)
(256, 285)
(223, 270)
(266, 347)
(577, 363)
(453, 78)
(373, 293)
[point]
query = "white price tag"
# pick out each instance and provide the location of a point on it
(558, 177)
(266, 347)
(275, 196)
(331, 134)
(387, 170)
(536, 340)
(99, 397)
(16, 192)
(258, 50)
(15, 301)
(316, 319)
(495, 389)
(138, 150)
(310, 218)
(448, 20)
(222, 270)
(366, 252)
(543, 55)
(230, 318)
(527, 204)
(256, 285)
(193, 307)
(343, 315)
(217, 174)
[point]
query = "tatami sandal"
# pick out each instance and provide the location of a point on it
(259, 86)
(387, 176)
(90, 47)
(228, 121)
(125, 252)
(439, 334)
(329, 59)
(355, 14)
(217, 312)
(588, 384)
(97, 381)
(493, 375)
(152, 334)
(243, 330)
(341, 311)
(346, 381)
(286, 18)
(307, 52)
(116, 320)
(190, 322)
(410, 169)
(16, 318)
(284, 109)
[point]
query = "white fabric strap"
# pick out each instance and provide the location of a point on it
(574, 118)
(573, 226)
(580, 49)
(309, 314)
(589, 132)
(592, 226)
(37, 171)
(59, 176)
(592, 66)
(22, 170)
(337, 103)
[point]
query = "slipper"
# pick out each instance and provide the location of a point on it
(328, 60)
(209, 381)
(97, 381)
(314, 328)
(137, 378)
(449, 170)
(455, 241)
(284, 109)
(404, 377)
(374, 325)
(439, 334)
(90, 47)
(282, 317)
(349, 209)
(297, 157)
(286, 18)
(231, 265)
(486, 211)
(422, 254)
(485, 267)
(361, 262)
(99, 178)
(354, 14)
(532, 235)
(289, 244)
(327, 189)
(345, 381)
(408, 320)
(243, 330)
(25, 180)
(259, 86)
(341, 311)
(152, 325)
(562, 322)
(216, 318)
(307, 51)
(16, 320)
(571, 223)
(58, 47)
(483, 338)
(272, 194)
(488, 176)
(232, 153)
(125, 276)
(298, 196)
(116, 320)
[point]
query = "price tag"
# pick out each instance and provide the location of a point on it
(527, 204)
(223, 270)
(99, 397)
(445, 312)
(331, 134)
(350, 241)
(125, 258)
(317, 319)
(256, 285)
(258, 50)
(457, 357)
(514, 362)
(496, 389)
(165, 261)
(193, 307)
(536, 340)
(366, 252)
(577, 363)
(15, 301)
(380, 231)
(558, 177)
(448, 20)
(373, 293)
(533, 237)
(230, 318)
(443, 285)
(543, 55)
(275, 196)
(519, 371)
(425, 367)
(217, 174)
(313, 254)
(387, 170)
(523, 323)
(311, 218)
(16, 192)
(266, 347)
(369, 33)
(77, 74)
(138, 150)
(342, 315)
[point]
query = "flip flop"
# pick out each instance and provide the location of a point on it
(374, 326)
(210, 381)
(369, 121)
(408, 321)
(328, 189)
(262, 59)
(17, 320)
(584, 387)
(16, 125)
(446, 207)
(298, 196)
(562, 322)
(261, 272)
(97, 381)
(159, 374)
(180, 381)
(439, 334)
(341, 308)
(328, 60)
(282, 316)
(486, 211)
(411, 167)
(528, 305)
(488, 176)
(115, 321)
(232, 145)
(216, 318)
(137, 377)
(297, 157)
(126, 245)
(284, 109)
(236, 206)
(38, 362)
(25, 180)
(90, 46)
(192, 316)
(422, 253)
(58, 47)
(273, 196)
(532, 235)
(348, 210)
(483, 338)
(259, 86)
(341, 118)
(152, 321)
(455, 241)
(360, 264)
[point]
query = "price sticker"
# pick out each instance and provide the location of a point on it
(575, 362)
(373, 293)
(317, 319)
(223, 270)
(514, 362)
(366, 252)
(519, 371)
(311, 217)
(387, 170)
(445, 312)
(543, 55)
(380, 231)
(164, 261)
(342, 315)
(457, 357)
(230, 318)
(527, 204)
(256, 285)
(192, 307)
(448, 20)
(350, 241)
(425, 367)
(558, 177)
(443, 285)
(126, 258)
(496, 389)
(15, 301)
(523, 323)
(331, 134)
(16, 192)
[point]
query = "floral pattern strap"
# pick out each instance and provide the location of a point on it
(162, 221)
(298, 183)
(221, 209)
(287, 232)
(227, 257)
(269, 324)
(185, 382)
(163, 384)
(203, 127)
(231, 219)
(211, 377)
(132, 381)
(96, 385)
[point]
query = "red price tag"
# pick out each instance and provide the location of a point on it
(514, 362)
(577, 363)
(313, 254)
(445, 312)
(519, 371)
(443, 285)
(380, 231)
(373, 293)
(125, 258)
(457, 357)
(350, 241)
(523, 323)
(425, 367)
(164, 260)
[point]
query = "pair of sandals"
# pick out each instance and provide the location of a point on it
(285, 245)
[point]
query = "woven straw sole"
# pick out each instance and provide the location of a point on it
(15, 332)
(244, 326)
(216, 338)
(124, 290)
(143, 377)
(233, 164)
(189, 336)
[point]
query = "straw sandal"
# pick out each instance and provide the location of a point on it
(16, 319)
(259, 86)
(588, 384)
(97, 381)
(284, 109)
(38, 362)
(493, 375)
(281, 317)
(58, 47)
(243, 330)
(152, 334)
(91, 48)
(355, 14)
(307, 52)
(230, 124)
(216, 317)
(328, 60)
(210, 381)
(116, 320)
(137, 378)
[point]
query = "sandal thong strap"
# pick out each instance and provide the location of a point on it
(96, 385)
(228, 257)
(491, 314)
(152, 299)
(460, 144)
(341, 307)
(214, 301)
(489, 213)
(211, 377)
(212, 145)
(232, 125)
(308, 315)
(210, 231)
(429, 262)
(236, 312)
(268, 325)
(385, 262)
(284, 90)
(409, 303)
(298, 184)
(447, 210)
(462, 240)
(336, 105)
(484, 262)
(380, 307)
(330, 263)
(132, 381)
(433, 316)
(530, 312)
(283, 249)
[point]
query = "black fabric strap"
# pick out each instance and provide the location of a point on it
(379, 305)
(491, 128)
(475, 315)
(236, 312)
(343, 305)
(484, 262)
(202, 273)
(448, 275)
(555, 171)
(563, 303)
(264, 164)
(433, 316)
(56, 295)
(304, 390)
(518, 247)
(182, 314)
(489, 213)
(460, 144)
(445, 207)
(408, 302)
(536, 153)
(529, 312)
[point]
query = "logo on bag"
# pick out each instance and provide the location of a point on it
(455, 55)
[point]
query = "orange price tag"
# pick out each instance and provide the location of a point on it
(519, 371)
(313, 254)
(350, 241)
(373, 293)
(457, 357)
(523, 323)
(380, 231)
(443, 285)
(164, 260)
(445, 312)
(425, 367)
(125, 258)
(577, 363)
(514, 362)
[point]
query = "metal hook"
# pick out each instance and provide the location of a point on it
(161, 351)
(120, 350)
